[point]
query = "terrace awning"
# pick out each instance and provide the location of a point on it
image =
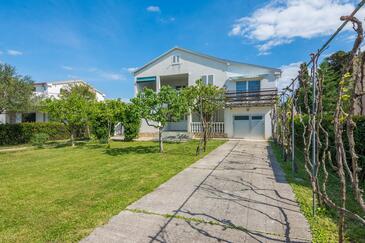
(146, 79)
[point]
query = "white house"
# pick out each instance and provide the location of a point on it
(250, 91)
(44, 90)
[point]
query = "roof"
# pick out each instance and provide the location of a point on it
(217, 59)
(70, 81)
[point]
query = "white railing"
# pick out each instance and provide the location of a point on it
(215, 127)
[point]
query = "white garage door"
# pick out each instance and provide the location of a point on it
(249, 126)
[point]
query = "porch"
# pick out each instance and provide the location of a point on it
(177, 82)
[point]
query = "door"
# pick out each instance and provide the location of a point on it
(250, 126)
(257, 127)
(241, 126)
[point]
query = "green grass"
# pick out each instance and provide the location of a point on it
(324, 223)
(61, 194)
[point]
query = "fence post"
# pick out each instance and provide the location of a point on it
(314, 130)
(293, 132)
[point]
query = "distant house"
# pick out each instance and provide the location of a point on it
(250, 91)
(44, 90)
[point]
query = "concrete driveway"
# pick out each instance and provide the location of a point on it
(237, 193)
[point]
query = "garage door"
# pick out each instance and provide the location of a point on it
(249, 126)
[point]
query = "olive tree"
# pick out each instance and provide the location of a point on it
(105, 115)
(206, 100)
(72, 108)
(158, 108)
(16, 91)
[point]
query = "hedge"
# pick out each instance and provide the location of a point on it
(11, 134)
(328, 124)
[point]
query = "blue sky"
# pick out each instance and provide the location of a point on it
(101, 41)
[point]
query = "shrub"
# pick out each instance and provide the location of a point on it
(39, 139)
(11, 134)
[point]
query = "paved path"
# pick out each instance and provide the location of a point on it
(237, 193)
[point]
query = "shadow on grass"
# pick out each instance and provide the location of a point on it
(132, 150)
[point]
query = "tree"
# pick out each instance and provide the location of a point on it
(16, 91)
(206, 100)
(159, 108)
(105, 116)
(73, 108)
(332, 69)
(131, 121)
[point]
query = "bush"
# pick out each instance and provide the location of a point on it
(39, 139)
(131, 122)
(11, 134)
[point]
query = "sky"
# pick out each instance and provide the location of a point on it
(102, 42)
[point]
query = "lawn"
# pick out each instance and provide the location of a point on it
(61, 194)
(323, 225)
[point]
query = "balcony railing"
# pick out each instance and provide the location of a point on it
(250, 98)
(215, 127)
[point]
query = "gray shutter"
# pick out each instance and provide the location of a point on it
(210, 79)
(204, 79)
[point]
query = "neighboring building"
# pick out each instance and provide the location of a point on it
(250, 91)
(44, 90)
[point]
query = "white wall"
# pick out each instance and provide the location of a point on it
(229, 113)
(196, 66)
(2, 118)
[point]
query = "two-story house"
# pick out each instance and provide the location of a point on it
(44, 90)
(250, 91)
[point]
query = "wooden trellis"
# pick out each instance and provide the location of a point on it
(315, 138)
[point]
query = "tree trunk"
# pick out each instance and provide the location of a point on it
(88, 131)
(72, 139)
(160, 139)
(205, 139)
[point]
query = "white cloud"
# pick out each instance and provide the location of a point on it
(281, 21)
(67, 68)
(167, 20)
(111, 75)
(153, 9)
(289, 72)
(14, 53)
(131, 69)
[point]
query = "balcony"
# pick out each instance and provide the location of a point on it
(264, 97)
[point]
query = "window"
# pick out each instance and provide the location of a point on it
(208, 79)
(241, 118)
(254, 85)
(175, 59)
(29, 117)
(256, 117)
(244, 86)
(178, 87)
(241, 86)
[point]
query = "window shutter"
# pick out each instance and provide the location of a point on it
(204, 79)
(210, 79)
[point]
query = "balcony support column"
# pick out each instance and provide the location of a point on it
(190, 119)
(158, 83)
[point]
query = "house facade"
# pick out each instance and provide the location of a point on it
(43, 90)
(250, 92)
